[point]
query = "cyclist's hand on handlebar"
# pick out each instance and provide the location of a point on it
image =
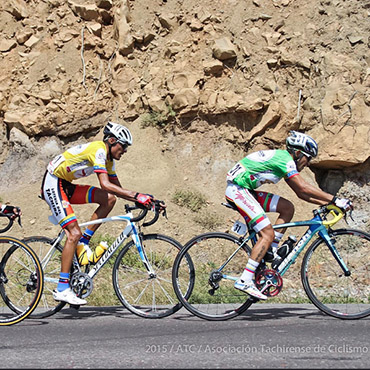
(144, 199)
(342, 203)
(11, 211)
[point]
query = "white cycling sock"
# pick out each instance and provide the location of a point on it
(275, 243)
(249, 270)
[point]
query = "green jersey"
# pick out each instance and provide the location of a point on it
(264, 166)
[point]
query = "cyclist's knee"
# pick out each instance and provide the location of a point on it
(112, 199)
(74, 234)
(267, 233)
(286, 209)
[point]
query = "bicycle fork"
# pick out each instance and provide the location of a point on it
(144, 258)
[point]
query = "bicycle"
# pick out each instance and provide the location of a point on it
(21, 278)
(335, 270)
(141, 273)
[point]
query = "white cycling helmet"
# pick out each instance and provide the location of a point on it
(121, 133)
(299, 141)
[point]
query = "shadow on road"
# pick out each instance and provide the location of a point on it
(256, 313)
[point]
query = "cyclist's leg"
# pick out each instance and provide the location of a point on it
(249, 207)
(83, 194)
(56, 195)
(274, 203)
(285, 210)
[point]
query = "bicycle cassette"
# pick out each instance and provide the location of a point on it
(269, 282)
(81, 284)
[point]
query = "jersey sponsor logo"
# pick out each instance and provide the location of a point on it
(65, 204)
(76, 166)
(100, 155)
(54, 204)
(240, 197)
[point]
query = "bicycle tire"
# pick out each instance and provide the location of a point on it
(5, 223)
(208, 253)
(21, 281)
(337, 295)
(51, 268)
(148, 297)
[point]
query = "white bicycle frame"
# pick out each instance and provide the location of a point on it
(130, 229)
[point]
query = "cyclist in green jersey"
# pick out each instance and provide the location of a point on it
(270, 166)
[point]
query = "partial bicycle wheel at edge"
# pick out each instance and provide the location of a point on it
(21, 280)
(340, 296)
(51, 263)
(213, 296)
(144, 294)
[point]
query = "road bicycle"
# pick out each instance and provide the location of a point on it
(141, 273)
(21, 277)
(335, 270)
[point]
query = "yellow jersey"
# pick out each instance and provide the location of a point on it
(81, 161)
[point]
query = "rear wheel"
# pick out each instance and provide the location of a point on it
(51, 263)
(21, 281)
(329, 289)
(212, 295)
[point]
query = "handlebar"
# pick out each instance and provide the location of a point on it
(334, 211)
(156, 208)
(11, 217)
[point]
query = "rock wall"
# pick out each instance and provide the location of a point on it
(251, 69)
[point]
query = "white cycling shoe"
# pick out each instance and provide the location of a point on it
(250, 289)
(68, 296)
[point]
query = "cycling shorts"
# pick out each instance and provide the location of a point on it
(59, 194)
(252, 205)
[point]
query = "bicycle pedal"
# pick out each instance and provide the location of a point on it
(75, 306)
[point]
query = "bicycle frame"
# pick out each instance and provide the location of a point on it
(315, 226)
(130, 229)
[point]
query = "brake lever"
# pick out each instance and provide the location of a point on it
(164, 213)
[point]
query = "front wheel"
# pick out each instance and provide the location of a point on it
(216, 268)
(146, 293)
(21, 281)
(344, 297)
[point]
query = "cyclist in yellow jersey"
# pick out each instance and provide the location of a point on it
(59, 191)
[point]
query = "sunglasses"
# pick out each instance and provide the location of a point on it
(124, 146)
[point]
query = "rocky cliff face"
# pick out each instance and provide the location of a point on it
(245, 71)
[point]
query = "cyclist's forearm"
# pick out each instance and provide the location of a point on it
(119, 191)
(316, 196)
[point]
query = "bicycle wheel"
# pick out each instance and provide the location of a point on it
(5, 223)
(51, 263)
(344, 297)
(21, 281)
(146, 295)
(213, 296)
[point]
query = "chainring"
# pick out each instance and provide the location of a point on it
(269, 282)
(81, 284)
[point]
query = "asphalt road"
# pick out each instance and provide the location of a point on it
(265, 336)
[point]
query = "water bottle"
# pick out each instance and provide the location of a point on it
(283, 251)
(83, 253)
(98, 252)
